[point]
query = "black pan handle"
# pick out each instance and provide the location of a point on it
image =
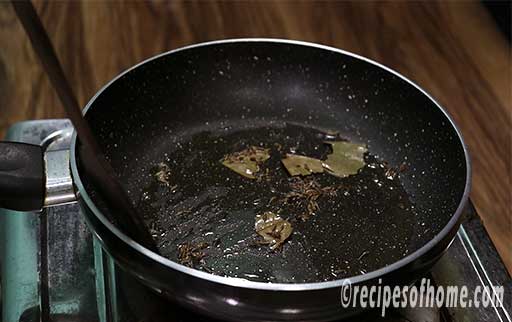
(22, 179)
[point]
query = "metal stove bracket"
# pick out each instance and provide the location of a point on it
(19, 236)
(47, 266)
(473, 261)
(59, 184)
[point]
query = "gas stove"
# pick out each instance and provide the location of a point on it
(54, 269)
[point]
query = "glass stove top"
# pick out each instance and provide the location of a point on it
(53, 269)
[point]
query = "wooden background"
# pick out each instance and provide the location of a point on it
(453, 50)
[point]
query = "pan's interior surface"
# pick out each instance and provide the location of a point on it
(177, 108)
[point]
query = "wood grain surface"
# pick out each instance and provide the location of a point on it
(452, 49)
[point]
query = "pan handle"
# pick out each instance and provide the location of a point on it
(22, 178)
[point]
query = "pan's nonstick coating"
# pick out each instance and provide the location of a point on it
(251, 85)
(368, 224)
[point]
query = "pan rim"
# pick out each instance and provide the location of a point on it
(243, 283)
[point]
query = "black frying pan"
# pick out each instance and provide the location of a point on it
(176, 107)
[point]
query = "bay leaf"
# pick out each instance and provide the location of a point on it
(274, 229)
(246, 162)
(299, 165)
(346, 158)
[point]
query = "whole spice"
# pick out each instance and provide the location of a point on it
(346, 158)
(301, 165)
(163, 173)
(246, 162)
(274, 229)
(306, 192)
(191, 254)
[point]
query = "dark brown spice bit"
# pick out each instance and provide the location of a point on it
(265, 176)
(390, 173)
(181, 212)
(163, 174)
(191, 254)
(363, 254)
(306, 192)
(272, 199)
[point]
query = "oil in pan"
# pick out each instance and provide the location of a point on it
(202, 214)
